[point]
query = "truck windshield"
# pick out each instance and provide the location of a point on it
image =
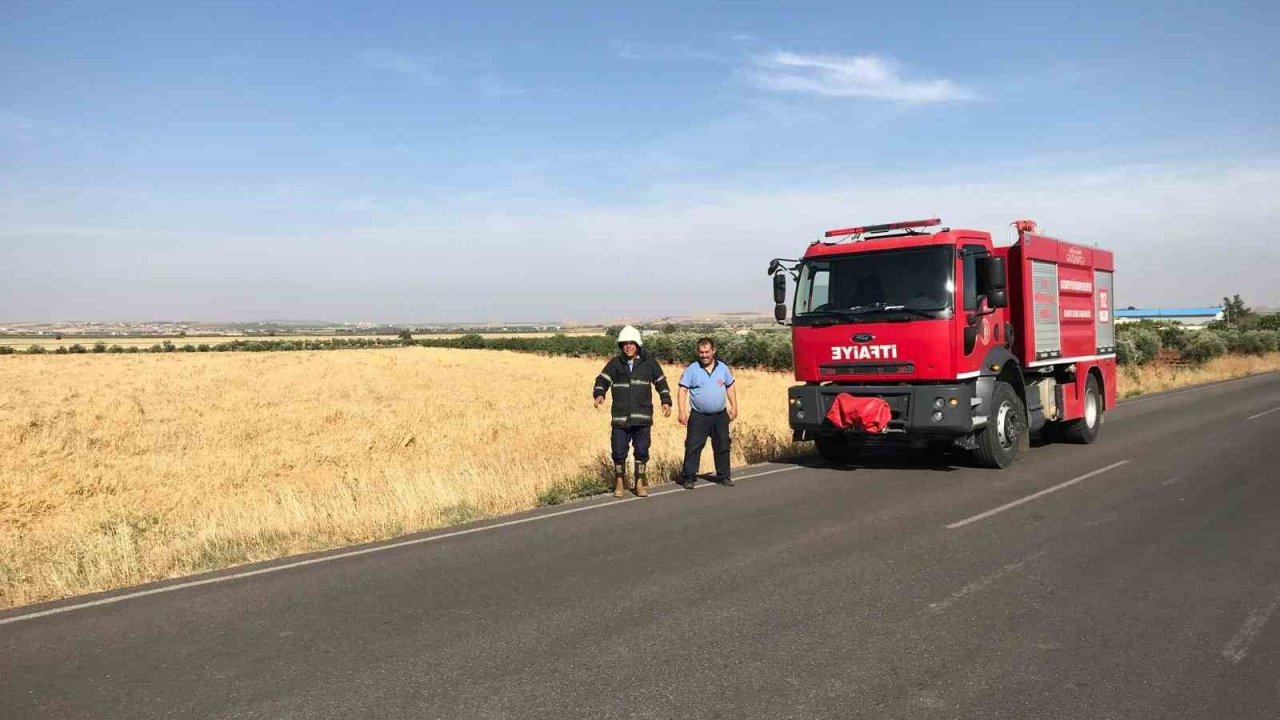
(906, 284)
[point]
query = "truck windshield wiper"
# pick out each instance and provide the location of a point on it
(914, 311)
(835, 314)
(857, 313)
(881, 307)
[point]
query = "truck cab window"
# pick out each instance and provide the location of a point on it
(815, 285)
(971, 254)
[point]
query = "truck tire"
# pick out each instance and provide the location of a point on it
(838, 449)
(1007, 423)
(1085, 430)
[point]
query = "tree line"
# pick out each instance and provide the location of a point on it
(769, 349)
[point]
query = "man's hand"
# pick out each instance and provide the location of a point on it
(684, 418)
(666, 411)
(599, 401)
(733, 413)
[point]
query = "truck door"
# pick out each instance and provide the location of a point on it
(980, 331)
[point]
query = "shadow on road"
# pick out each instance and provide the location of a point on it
(898, 456)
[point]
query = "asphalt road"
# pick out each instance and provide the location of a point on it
(1147, 588)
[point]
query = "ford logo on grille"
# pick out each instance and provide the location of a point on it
(864, 337)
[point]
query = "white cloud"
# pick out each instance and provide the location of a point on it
(1159, 220)
(399, 63)
(426, 72)
(496, 87)
(530, 259)
(16, 127)
(869, 76)
(642, 51)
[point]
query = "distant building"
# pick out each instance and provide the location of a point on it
(1189, 316)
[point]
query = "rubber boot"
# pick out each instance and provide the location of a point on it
(642, 482)
(619, 480)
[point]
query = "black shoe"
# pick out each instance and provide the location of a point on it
(727, 482)
(688, 483)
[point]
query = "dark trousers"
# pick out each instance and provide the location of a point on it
(701, 426)
(637, 435)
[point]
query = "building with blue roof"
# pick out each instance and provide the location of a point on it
(1189, 316)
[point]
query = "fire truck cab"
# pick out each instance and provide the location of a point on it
(968, 344)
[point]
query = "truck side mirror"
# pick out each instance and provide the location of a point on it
(780, 312)
(779, 288)
(998, 298)
(996, 278)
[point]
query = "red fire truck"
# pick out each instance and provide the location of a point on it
(948, 340)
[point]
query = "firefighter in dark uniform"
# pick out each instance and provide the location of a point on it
(631, 375)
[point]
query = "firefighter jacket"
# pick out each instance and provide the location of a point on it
(632, 389)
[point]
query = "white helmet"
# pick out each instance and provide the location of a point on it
(630, 334)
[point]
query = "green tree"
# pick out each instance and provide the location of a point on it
(1236, 312)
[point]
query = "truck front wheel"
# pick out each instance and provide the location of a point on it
(1007, 423)
(838, 449)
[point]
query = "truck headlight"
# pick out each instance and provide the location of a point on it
(937, 416)
(938, 403)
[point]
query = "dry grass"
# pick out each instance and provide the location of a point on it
(1158, 376)
(121, 469)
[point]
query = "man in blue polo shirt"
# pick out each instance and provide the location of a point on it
(708, 386)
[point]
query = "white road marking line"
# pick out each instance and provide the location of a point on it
(978, 584)
(341, 556)
(1239, 645)
(1268, 412)
(1033, 496)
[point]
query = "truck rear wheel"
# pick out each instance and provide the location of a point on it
(1007, 423)
(1085, 430)
(838, 449)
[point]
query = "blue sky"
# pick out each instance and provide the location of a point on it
(436, 162)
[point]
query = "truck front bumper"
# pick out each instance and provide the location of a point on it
(914, 408)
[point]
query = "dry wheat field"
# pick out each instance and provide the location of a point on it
(122, 469)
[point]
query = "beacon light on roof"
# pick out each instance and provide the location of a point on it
(884, 228)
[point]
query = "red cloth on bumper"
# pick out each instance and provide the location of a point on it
(871, 414)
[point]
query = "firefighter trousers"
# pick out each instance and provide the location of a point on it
(637, 435)
(701, 426)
